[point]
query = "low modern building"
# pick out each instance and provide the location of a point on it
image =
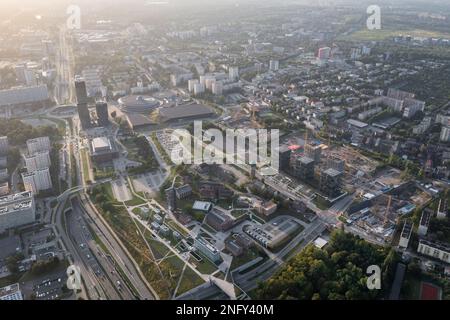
(207, 249)
(219, 220)
(102, 150)
(202, 206)
(17, 210)
(185, 113)
(138, 121)
(266, 208)
(183, 192)
(273, 233)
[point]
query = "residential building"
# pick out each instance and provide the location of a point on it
(424, 223)
(4, 145)
(17, 210)
(435, 250)
(38, 145)
(38, 160)
(11, 292)
(37, 181)
(405, 235)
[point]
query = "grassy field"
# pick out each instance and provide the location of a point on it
(190, 280)
(85, 165)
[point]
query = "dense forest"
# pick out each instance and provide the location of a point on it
(336, 272)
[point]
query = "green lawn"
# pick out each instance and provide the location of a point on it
(189, 281)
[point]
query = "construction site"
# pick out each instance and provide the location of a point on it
(378, 213)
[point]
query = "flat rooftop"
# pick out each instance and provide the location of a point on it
(186, 111)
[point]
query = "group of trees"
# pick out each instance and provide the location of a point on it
(18, 132)
(145, 154)
(336, 272)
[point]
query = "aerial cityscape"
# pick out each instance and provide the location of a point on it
(225, 150)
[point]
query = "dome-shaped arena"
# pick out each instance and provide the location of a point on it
(138, 104)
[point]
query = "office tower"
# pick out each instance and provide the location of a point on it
(336, 164)
(303, 168)
(4, 145)
(314, 152)
(84, 115)
(81, 92)
(331, 183)
(102, 113)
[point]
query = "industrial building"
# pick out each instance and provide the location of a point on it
(185, 113)
(17, 210)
